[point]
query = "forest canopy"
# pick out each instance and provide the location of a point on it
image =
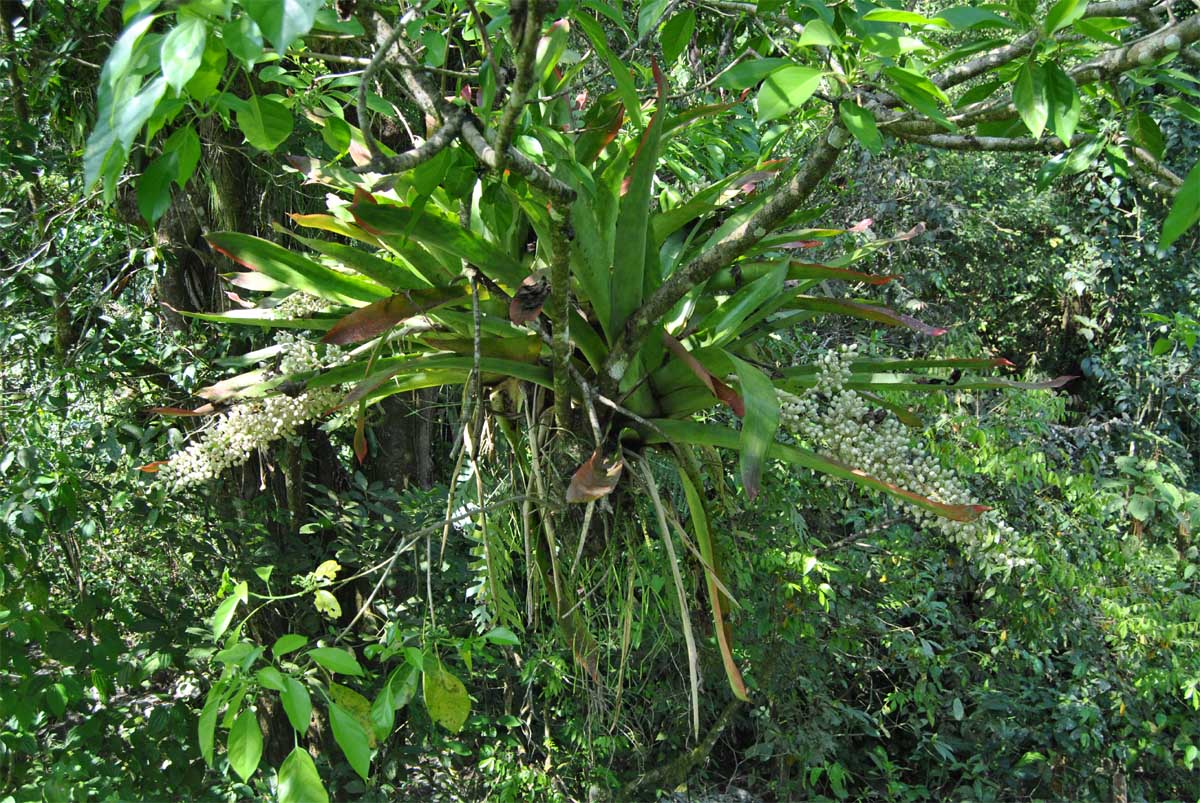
(598, 400)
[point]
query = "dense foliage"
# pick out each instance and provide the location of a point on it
(584, 400)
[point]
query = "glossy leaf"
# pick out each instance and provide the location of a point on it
(336, 660)
(786, 89)
(299, 781)
(861, 123)
(225, 612)
(351, 737)
(245, 744)
(296, 704)
(1029, 96)
(1063, 13)
(1185, 211)
(283, 21)
(1063, 98)
(265, 123)
(182, 50)
(294, 270)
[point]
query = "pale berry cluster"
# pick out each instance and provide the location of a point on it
(837, 421)
(299, 305)
(251, 425)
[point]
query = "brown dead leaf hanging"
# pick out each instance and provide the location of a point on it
(595, 479)
(530, 297)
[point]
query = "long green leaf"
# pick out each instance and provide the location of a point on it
(724, 323)
(1185, 211)
(708, 554)
(388, 274)
(294, 270)
(299, 781)
(633, 222)
(438, 232)
(759, 425)
(352, 738)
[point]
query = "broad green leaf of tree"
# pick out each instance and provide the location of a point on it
(266, 123)
(1064, 13)
(356, 706)
(676, 35)
(244, 39)
(132, 115)
(225, 611)
(283, 21)
(352, 738)
(296, 703)
(207, 726)
(502, 635)
(287, 643)
(446, 698)
(759, 425)
(336, 660)
(1029, 95)
(154, 187)
(902, 17)
(1145, 132)
(786, 89)
(650, 14)
(299, 781)
(182, 51)
(818, 34)
(746, 74)
(270, 678)
(861, 123)
(1185, 211)
(184, 144)
(245, 744)
(208, 77)
(1064, 103)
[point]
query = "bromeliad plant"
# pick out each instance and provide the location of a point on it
(635, 318)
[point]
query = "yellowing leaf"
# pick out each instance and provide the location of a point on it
(356, 705)
(328, 570)
(446, 699)
(327, 604)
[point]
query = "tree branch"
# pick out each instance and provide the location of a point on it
(787, 199)
(970, 142)
(532, 12)
(1144, 51)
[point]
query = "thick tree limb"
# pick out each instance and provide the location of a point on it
(970, 142)
(534, 173)
(787, 199)
(1144, 51)
(1023, 44)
